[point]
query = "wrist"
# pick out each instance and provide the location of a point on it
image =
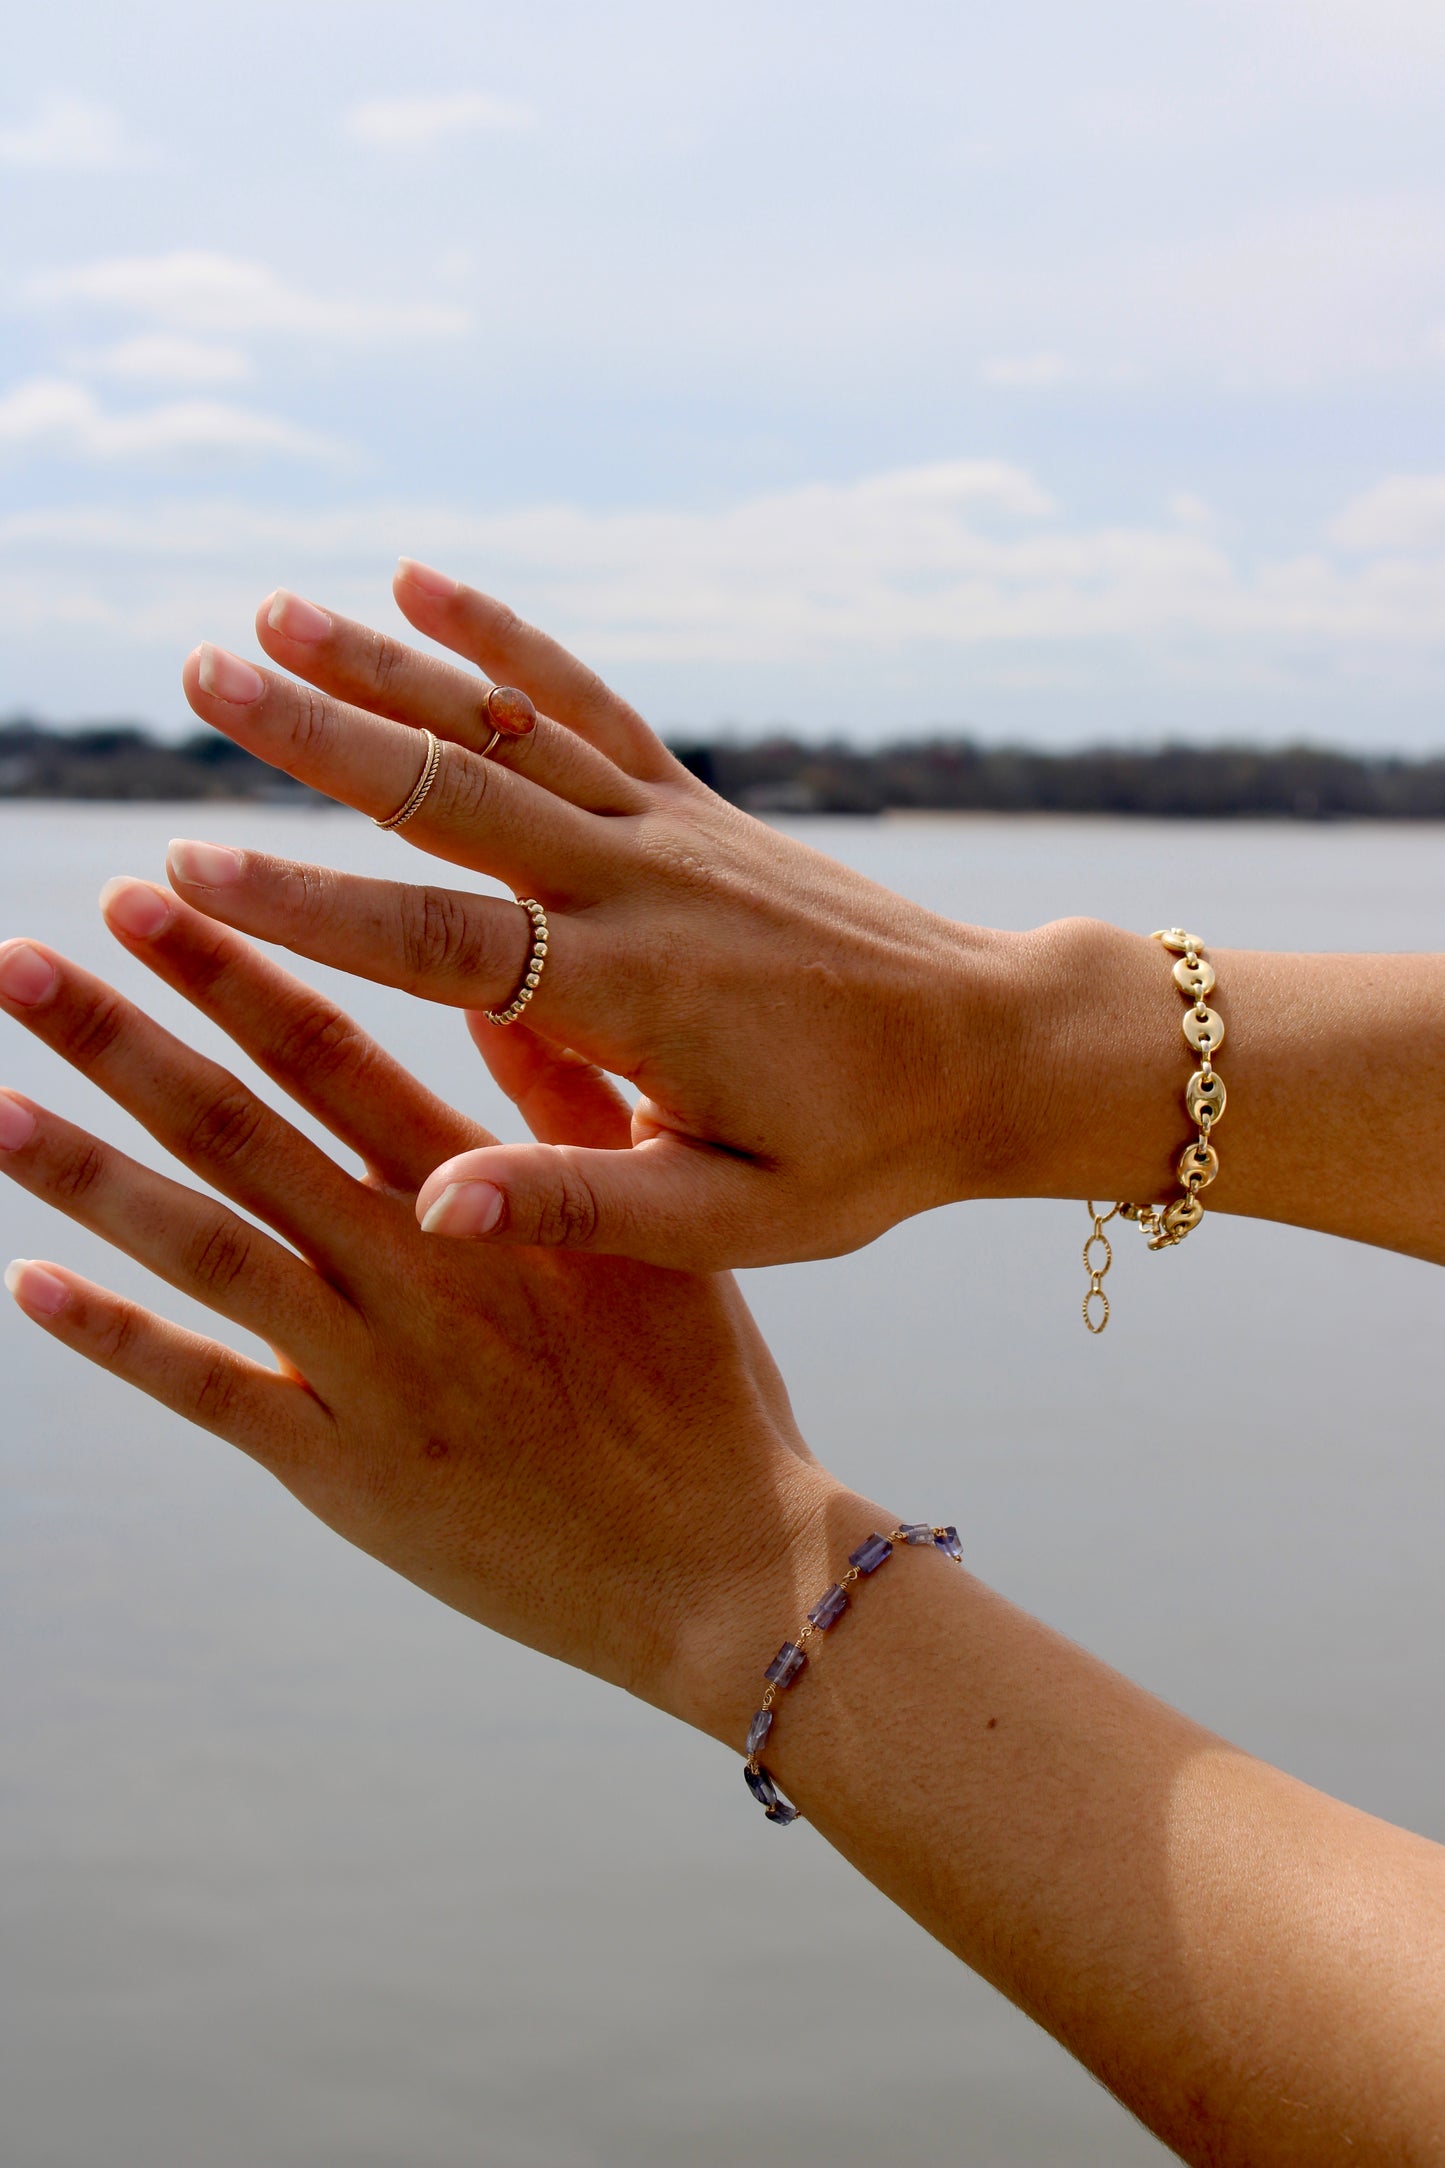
(1113, 1066)
(739, 1615)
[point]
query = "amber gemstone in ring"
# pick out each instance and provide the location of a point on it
(510, 711)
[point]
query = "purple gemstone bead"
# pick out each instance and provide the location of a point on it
(762, 1787)
(758, 1731)
(916, 1532)
(786, 1665)
(870, 1554)
(781, 1813)
(829, 1608)
(949, 1544)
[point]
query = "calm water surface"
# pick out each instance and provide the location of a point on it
(302, 1871)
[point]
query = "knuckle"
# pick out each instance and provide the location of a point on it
(321, 1042)
(384, 663)
(79, 1172)
(314, 726)
(463, 787)
(439, 937)
(221, 1255)
(224, 1128)
(96, 1030)
(116, 1340)
(568, 1215)
(213, 1398)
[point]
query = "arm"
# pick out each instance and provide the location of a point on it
(599, 1459)
(1335, 1067)
(817, 1057)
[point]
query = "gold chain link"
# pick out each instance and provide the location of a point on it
(1166, 1225)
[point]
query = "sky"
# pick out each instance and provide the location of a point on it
(1052, 373)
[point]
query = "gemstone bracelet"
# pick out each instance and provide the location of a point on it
(791, 1658)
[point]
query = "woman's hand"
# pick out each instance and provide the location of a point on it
(598, 1459)
(818, 1058)
(592, 1456)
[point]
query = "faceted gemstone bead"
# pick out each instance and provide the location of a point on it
(949, 1544)
(786, 1665)
(762, 1787)
(870, 1554)
(916, 1532)
(781, 1813)
(758, 1731)
(829, 1608)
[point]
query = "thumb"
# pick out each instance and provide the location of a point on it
(664, 1202)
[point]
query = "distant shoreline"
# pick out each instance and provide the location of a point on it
(123, 763)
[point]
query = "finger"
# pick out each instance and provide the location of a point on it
(371, 670)
(663, 1202)
(204, 1116)
(275, 1419)
(201, 1247)
(476, 812)
(321, 1058)
(515, 653)
(466, 951)
(561, 1096)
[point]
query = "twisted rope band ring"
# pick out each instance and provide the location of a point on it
(420, 791)
(536, 961)
(511, 715)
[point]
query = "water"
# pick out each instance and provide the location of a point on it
(302, 1871)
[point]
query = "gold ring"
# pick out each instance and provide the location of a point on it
(536, 959)
(492, 740)
(420, 791)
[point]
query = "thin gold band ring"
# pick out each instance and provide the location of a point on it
(416, 798)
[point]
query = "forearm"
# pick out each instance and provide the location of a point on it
(1335, 1069)
(1256, 1970)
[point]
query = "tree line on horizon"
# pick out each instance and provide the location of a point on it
(784, 775)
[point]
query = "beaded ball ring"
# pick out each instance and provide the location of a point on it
(536, 959)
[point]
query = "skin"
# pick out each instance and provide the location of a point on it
(598, 1458)
(817, 1058)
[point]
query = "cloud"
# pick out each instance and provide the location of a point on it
(52, 416)
(407, 123)
(1034, 371)
(159, 358)
(966, 555)
(70, 135)
(1404, 512)
(196, 291)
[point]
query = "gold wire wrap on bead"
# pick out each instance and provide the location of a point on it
(536, 962)
(1166, 1225)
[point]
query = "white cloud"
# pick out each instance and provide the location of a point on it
(197, 291)
(1404, 512)
(1029, 371)
(406, 123)
(963, 556)
(69, 135)
(159, 358)
(52, 416)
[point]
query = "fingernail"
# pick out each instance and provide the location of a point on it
(17, 1124)
(203, 865)
(134, 907)
(298, 620)
(426, 578)
(225, 677)
(25, 975)
(465, 1208)
(35, 1289)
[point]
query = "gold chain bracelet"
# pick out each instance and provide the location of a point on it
(1166, 1225)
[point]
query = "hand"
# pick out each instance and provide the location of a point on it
(591, 1456)
(818, 1058)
